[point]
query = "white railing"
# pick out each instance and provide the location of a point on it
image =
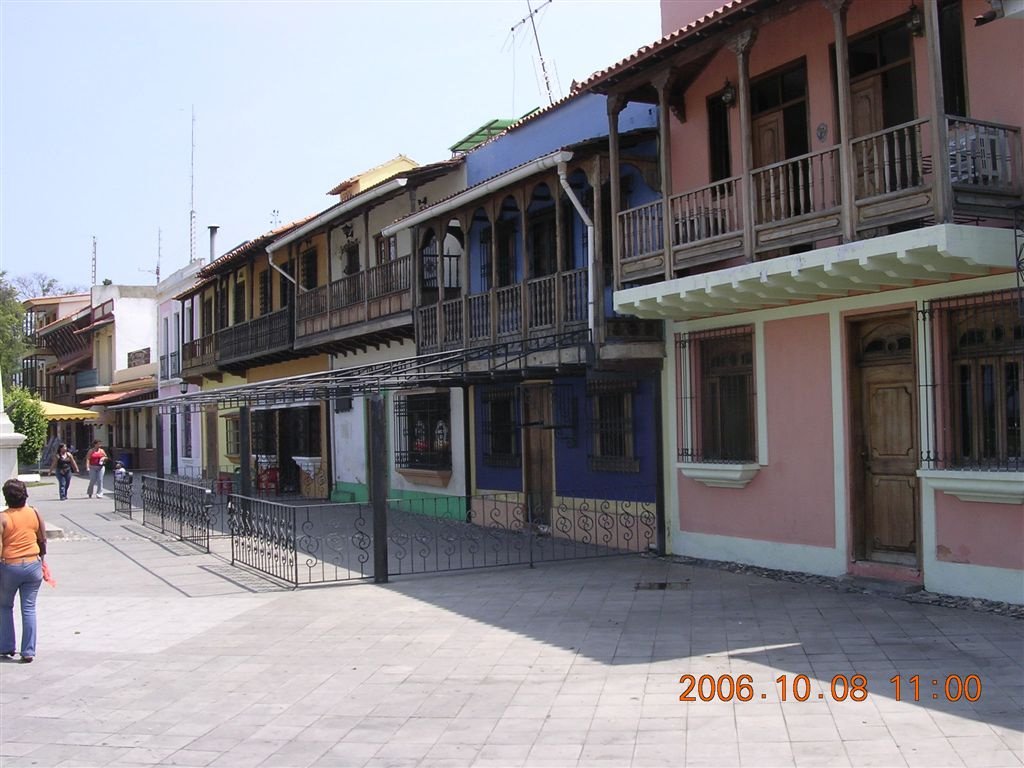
(796, 187)
(706, 212)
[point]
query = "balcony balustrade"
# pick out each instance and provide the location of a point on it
(550, 304)
(800, 200)
(259, 337)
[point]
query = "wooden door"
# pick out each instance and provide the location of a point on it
(866, 107)
(769, 146)
(886, 440)
(538, 452)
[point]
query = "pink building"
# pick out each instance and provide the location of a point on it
(834, 255)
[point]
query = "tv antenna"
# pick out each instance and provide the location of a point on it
(275, 219)
(94, 259)
(192, 198)
(156, 271)
(536, 38)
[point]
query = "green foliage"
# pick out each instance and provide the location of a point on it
(12, 344)
(26, 414)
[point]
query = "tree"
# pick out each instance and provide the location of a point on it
(26, 414)
(39, 284)
(12, 330)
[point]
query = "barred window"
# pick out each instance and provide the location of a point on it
(611, 425)
(715, 380)
(500, 416)
(238, 301)
(309, 270)
(232, 436)
(423, 431)
(264, 292)
(978, 370)
(186, 433)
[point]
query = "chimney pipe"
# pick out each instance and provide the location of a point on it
(213, 239)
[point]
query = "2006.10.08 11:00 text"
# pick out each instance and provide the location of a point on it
(841, 688)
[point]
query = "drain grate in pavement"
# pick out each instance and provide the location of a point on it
(662, 585)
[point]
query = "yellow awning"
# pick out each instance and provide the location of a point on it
(58, 412)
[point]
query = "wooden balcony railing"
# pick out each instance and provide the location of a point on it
(797, 187)
(263, 335)
(890, 161)
(800, 201)
(376, 292)
(199, 353)
(706, 212)
(985, 156)
(553, 304)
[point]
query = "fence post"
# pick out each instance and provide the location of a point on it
(379, 487)
(159, 444)
(245, 449)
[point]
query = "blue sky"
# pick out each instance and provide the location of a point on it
(290, 99)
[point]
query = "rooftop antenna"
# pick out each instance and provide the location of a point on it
(275, 219)
(192, 185)
(156, 271)
(533, 24)
(94, 259)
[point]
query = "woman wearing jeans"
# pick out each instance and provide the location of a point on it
(22, 546)
(63, 464)
(97, 459)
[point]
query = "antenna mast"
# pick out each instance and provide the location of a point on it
(156, 271)
(543, 66)
(94, 259)
(192, 185)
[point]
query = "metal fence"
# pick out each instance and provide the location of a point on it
(311, 544)
(177, 508)
(323, 543)
(124, 494)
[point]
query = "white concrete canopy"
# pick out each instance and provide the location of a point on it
(935, 254)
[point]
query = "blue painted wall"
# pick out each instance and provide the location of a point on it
(584, 117)
(573, 475)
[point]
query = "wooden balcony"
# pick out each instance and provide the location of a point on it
(799, 202)
(549, 305)
(257, 341)
(199, 356)
(365, 302)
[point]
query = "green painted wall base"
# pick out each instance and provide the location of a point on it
(429, 504)
(349, 492)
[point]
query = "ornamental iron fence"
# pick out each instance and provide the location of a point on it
(178, 509)
(124, 492)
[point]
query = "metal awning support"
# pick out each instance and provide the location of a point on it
(506, 360)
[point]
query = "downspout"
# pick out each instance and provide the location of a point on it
(591, 271)
(272, 265)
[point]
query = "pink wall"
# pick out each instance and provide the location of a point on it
(792, 500)
(993, 48)
(979, 533)
(678, 13)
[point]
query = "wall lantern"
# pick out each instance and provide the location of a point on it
(915, 23)
(728, 94)
(183, 387)
(347, 230)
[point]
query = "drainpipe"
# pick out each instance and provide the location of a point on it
(591, 272)
(270, 262)
(213, 239)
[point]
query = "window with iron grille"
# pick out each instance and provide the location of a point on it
(977, 409)
(717, 402)
(387, 248)
(611, 425)
(500, 419)
(485, 258)
(423, 431)
(264, 292)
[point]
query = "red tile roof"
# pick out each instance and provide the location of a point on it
(117, 397)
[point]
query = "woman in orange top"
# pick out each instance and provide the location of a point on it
(22, 546)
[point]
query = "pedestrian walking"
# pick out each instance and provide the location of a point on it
(63, 465)
(22, 548)
(97, 466)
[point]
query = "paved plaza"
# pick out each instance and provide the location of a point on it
(151, 653)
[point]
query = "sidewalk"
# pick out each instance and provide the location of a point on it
(153, 654)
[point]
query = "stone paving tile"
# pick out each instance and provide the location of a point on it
(565, 664)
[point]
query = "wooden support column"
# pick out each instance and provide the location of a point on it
(494, 211)
(160, 444)
(615, 105)
(941, 189)
(595, 268)
(662, 83)
(524, 304)
(466, 225)
(847, 192)
(379, 486)
(557, 191)
(741, 45)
